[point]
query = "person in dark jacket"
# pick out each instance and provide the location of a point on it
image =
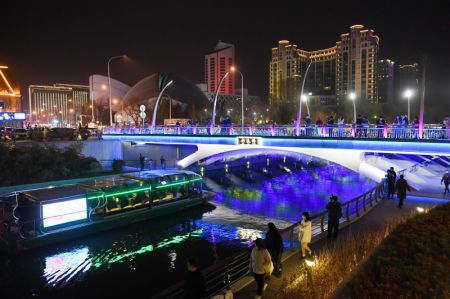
(274, 244)
(334, 209)
(142, 161)
(392, 177)
(195, 284)
(400, 187)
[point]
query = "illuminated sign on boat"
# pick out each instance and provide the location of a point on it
(64, 212)
(249, 140)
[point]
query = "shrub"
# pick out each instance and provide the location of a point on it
(39, 164)
(413, 262)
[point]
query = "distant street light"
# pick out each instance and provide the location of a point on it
(109, 85)
(215, 102)
(155, 109)
(352, 97)
(408, 94)
(233, 69)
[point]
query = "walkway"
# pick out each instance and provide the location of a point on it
(379, 216)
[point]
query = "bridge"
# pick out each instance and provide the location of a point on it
(369, 151)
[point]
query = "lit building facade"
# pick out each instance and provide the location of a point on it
(288, 67)
(349, 66)
(408, 78)
(10, 99)
(356, 68)
(385, 81)
(58, 105)
(217, 64)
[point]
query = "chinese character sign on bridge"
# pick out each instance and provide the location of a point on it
(249, 140)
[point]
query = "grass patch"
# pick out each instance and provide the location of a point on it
(413, 262)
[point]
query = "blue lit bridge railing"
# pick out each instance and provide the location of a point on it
(430, 132)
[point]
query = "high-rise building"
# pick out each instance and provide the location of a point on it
(356, 71)
(288, 67)
(385, 81)
(58, 105)
(408, 78)
(349, 66)
(217, 64)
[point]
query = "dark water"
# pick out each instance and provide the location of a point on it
(144, 258)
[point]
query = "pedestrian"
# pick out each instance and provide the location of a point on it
(334, 209)
(381, 123)
(365, 124)
(304, 235)
(308, 124)
(358, 125)
(163, 162)
(446, 181)
(195, 283)
(392, 177)
(319, 126)
(330, 125)
(274, 244)
(260, 265)
(340, 122)
(400, 187)
(142, 161)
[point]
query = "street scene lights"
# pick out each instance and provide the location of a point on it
(408, 94)
(233, 69)
(352, 97)
(109, 85)
(305, 100)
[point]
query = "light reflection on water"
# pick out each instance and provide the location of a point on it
(157, 250)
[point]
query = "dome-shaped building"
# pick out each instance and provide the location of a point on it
(186, 99)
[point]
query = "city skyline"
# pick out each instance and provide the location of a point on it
(44, 55)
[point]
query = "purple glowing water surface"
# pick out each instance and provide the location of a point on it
(287, 196)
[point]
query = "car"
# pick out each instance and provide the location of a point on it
(62, 134)
(19, 133)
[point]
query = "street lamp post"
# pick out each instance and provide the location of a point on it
(233, 69)
(299, 115)
(352, 97)
(215, 102)
(155, 109)
(109, 85)
(408, 93)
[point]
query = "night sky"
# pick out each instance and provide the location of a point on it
(45, 42)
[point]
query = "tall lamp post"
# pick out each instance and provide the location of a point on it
(155, 109)
(215, 102)
(109, 85)
(299, 115)
(234, 69)
(352, 97)
(408, 94)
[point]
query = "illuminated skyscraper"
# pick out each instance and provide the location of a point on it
(288, 67)
(385, 81)
(357, 58)
(408, 77)
(217, 63)
(349, 66)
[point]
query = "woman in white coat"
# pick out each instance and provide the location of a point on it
(260, 264)
(304, 235)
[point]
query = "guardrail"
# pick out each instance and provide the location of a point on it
(148, 164)
(432, 132)
(227, 271)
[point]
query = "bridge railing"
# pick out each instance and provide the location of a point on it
(430, 132)
(227, 271)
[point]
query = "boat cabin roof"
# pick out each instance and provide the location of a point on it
(49, 194)
(108, 183)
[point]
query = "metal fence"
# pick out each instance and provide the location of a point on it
(221, 275)
(433, 132)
